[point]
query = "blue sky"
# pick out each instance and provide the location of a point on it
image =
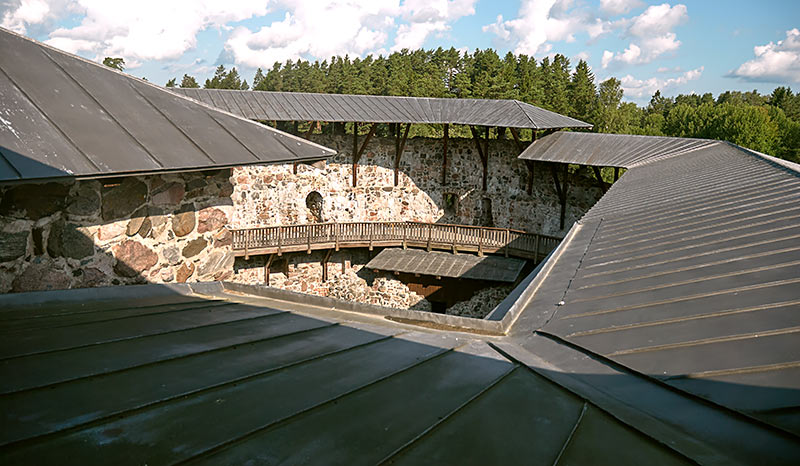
(674, 46)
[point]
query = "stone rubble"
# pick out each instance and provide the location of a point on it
(481, 303)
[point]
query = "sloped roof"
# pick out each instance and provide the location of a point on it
(445, 264)
(688, 271)
(231, 379)
(300, 106)
(63, 116)
(608, 150)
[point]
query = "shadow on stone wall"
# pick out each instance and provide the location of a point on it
(141, 229)
(275, 195)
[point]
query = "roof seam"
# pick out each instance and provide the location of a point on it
(50, 120)
(105, 110)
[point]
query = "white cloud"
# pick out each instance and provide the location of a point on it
(21, 14)
(137, 31)
(637, 88)
(426, 17)
(540, 22)
(650, 33)
(617, 7)
(774, 62)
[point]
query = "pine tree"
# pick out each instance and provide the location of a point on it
(188, 82)
(116, 63)
(172, 83)
(582, 92)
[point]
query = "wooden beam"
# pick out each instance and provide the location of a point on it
(444, 160)
(616, 173)
(310, 130)
(359, 151)
(561, 191)
(355, 151)
(599, 177)
(531, 165)
(482, 153)
(400, 145)
(325, 265)
(267, 265)
(517, 140)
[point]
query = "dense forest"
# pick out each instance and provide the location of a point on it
(766, 123)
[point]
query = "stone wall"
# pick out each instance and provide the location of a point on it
(128, 230)
(273, 195)
(348, 279)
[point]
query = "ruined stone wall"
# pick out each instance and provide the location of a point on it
(128, 230)
(348, 279)
(273, 195)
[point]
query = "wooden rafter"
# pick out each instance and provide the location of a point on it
(483, 152)
(400, 145)
(359, 151)
(517, 140)
(599, 176)
(561, 190)
(444, 160)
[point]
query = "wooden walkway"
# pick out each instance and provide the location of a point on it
(310, 237)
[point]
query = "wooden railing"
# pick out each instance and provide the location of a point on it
(309, 237)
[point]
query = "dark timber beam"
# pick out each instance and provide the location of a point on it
(599, 177)
(325, 265)
(616, 173)
(531, 165)
(358, 151)
(399, 146)
(483, 153)
(267, 265)
(561, 191)
(517, 140)
(310, 129)
(444, 161)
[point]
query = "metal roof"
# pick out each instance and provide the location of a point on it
(63, 116)
(445, 264)
(688, 271)
(300, 106)
(156, 375)
(609, 150)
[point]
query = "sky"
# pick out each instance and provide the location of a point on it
(678, 47)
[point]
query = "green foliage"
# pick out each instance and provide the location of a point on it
(172, 82)
(769, 124)
(116, 63)
(188, 82)
(226, 80)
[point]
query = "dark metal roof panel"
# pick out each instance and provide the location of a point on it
(391, 109)
(64, 116)
(154, 355)
(688, 270)
(609, 150)
(443, 264)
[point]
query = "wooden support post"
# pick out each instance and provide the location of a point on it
(455, 246)
(308, 238)
(561, 191)
(267, 265)
(280, 241)
(325, 265)
(444, 153)
(400, 145)
(483, 155)
(599, 177)
(480, 242)
(517, 140)
(359, 151)
(507, 241)
(310, 130)
(405, 234)
(286, 266)
(246, 241)
(533, 136)
(294, 168)
(336, 231)
(355, 152)
(430, 235)
(616, 173)
(536, 249)
(531, 165)
(369, 227)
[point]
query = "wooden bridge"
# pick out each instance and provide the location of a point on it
(333, 236)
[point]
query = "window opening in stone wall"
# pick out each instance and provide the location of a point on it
(314, 204)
